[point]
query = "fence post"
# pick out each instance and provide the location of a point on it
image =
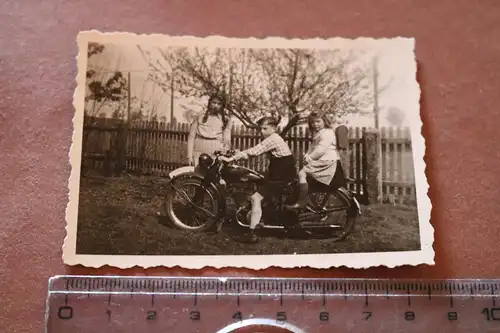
(372, 166)
(345, 161)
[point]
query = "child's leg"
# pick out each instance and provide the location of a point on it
(303, 191)
(302, 176)
(256, 213)
(303, 188)
(255, 216)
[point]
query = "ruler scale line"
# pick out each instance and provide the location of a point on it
(195, 295)
(238, 296)
(127, 284)
(153, 295)
(90, 286)
(324, 296)
(281, 294)
(493, 296)
(366, 295)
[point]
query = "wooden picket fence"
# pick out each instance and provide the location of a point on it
(157, 148)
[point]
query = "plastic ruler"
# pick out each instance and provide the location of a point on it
(91, 304)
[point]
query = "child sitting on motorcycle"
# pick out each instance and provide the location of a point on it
(320, 161)
(281, 167)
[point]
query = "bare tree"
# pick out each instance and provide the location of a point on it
(305, 80)
(94, 48)
(282, 82)
(103, 87)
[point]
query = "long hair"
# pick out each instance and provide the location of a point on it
(222, 112)
(316, 115)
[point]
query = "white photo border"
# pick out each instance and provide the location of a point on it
(351, 260)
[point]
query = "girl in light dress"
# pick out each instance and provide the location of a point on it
(322, 158)
(210, 131)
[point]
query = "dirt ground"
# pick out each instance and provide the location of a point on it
(124, 215)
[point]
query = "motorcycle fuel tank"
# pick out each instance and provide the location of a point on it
(237, 173)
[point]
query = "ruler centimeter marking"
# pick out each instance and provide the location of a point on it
(307, 303)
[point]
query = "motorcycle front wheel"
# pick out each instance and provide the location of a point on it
(191, 206)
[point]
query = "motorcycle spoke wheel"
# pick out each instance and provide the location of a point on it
(336, 216)
(190, 206)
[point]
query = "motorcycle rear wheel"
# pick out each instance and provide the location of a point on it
(209, 215)
(348, 213)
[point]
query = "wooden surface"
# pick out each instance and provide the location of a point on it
(459, 66)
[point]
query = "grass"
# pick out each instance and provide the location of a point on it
(124, 215)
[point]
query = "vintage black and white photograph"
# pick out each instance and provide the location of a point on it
(251, 153)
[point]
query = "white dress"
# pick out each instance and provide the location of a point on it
(323, 168)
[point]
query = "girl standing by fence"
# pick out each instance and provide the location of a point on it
(209, 132)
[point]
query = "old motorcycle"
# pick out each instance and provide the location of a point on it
(196, 200)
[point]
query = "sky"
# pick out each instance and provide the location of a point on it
(127, 57)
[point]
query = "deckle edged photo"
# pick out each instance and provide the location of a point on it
(251, 153)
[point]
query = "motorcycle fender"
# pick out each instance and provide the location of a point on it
(181, 170)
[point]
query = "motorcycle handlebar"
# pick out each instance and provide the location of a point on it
(228, 153)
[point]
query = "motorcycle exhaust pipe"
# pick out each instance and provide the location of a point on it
(306, 225)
